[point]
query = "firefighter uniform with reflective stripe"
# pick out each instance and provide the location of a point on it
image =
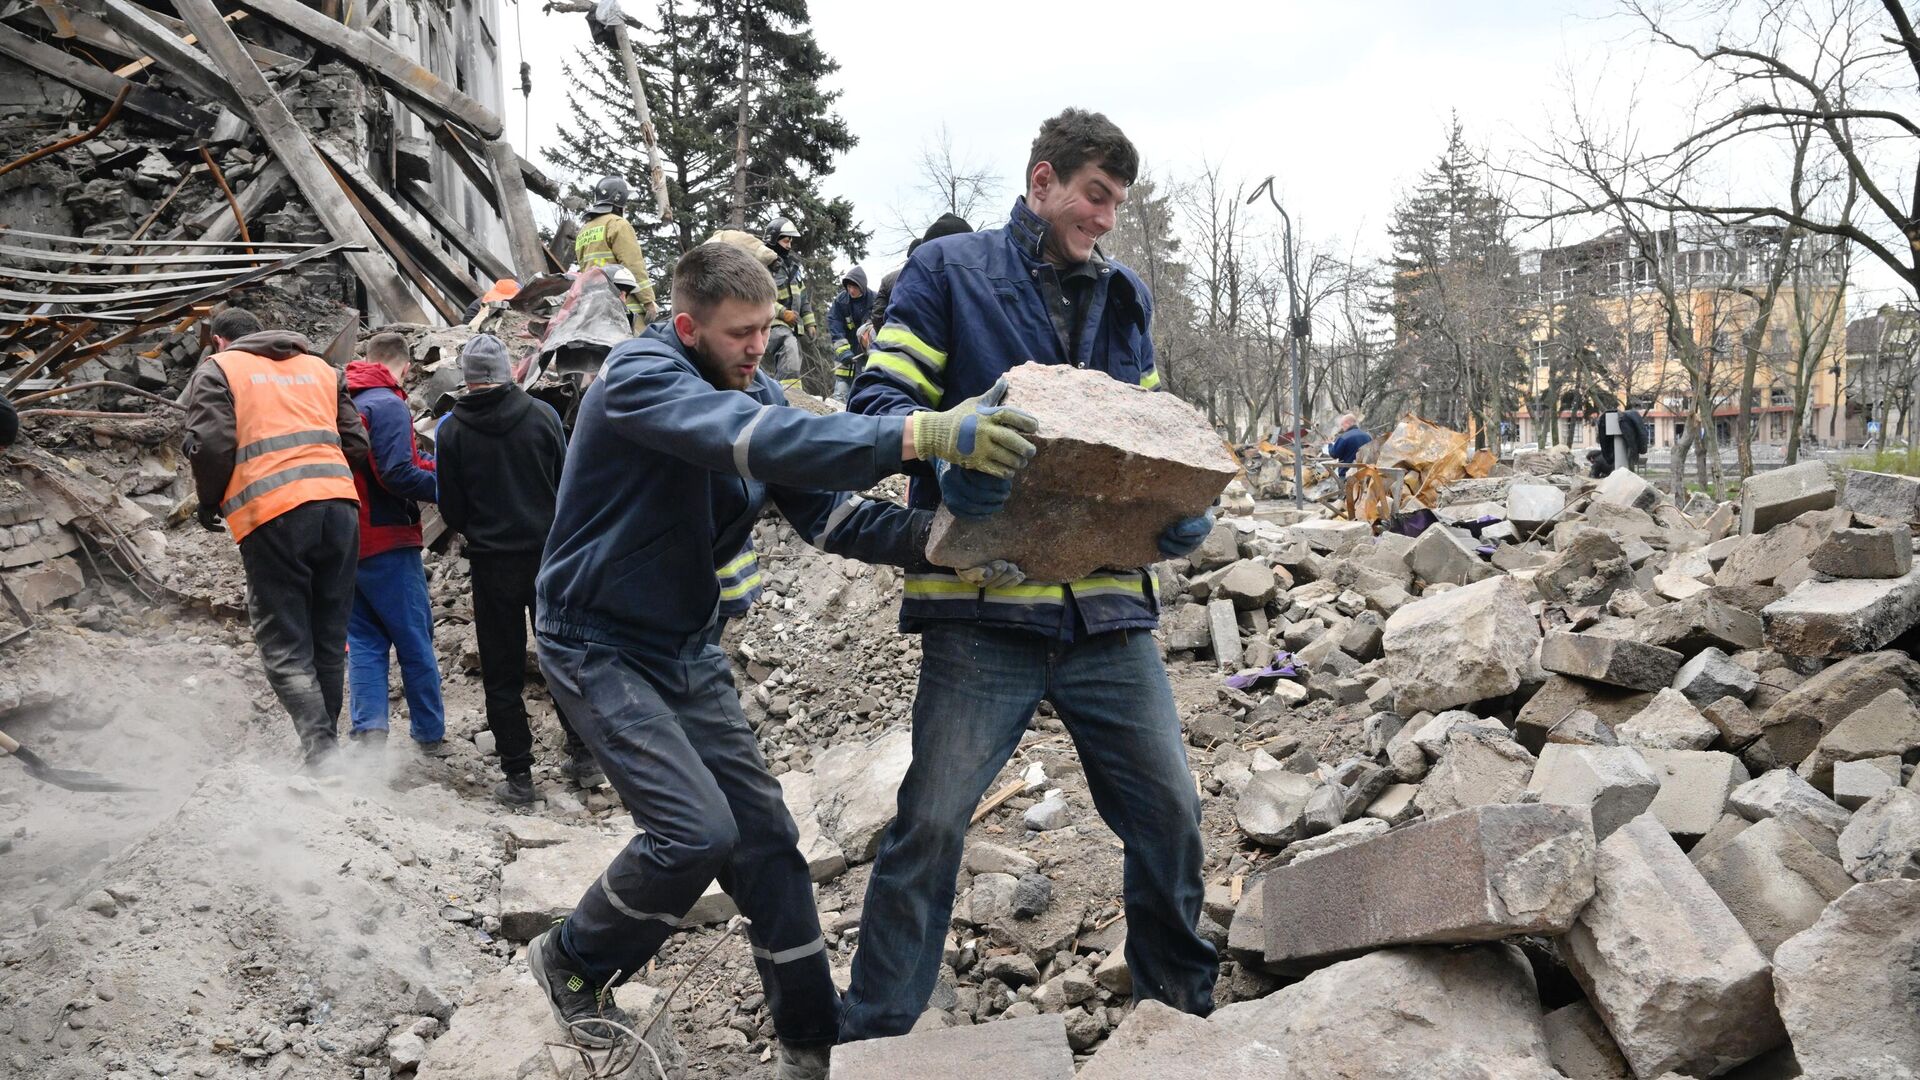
(955, 325)
(610, 239)
(287, 451)
(664, 480)
(790, 291)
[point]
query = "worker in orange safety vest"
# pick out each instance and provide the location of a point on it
(272, 437)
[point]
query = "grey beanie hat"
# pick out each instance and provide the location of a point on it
(484, 360)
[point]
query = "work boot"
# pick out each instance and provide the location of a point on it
(372, 739)
(803, 1062)
(515, 790)
(577, 1007)
(584, 772)
(432, 747)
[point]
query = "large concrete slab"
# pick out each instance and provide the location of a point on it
(1889, 725)
(1460, 646)
(1699, 622)
(1560, 697)
(1611, 660)
(1843, 617)
(1116, 465)
(1773, 498)
(1694, 788)
(1773, 880)
(1164, 1043)
(1614, 783)
(1848, 984)
(541, 885)
(1412, 1013)
(1795, 724)
(1883, 498)
(1477, 875)
(1673, 974)
(1031, 1047)
(1865, 553)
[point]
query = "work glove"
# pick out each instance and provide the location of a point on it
(979, 435)
(209, 518)
(971, 494)
(1179, 539)
(994, 574)
(789, 316)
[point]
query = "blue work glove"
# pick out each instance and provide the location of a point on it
(1180, 539)
(970, 493)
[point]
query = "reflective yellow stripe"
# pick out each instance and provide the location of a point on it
(910, 371)
(841, 348)
(746, 559)
(735, 592)
(936, 587)
(905, 340)
(1150, 380)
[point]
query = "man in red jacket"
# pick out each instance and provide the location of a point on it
(391, 612)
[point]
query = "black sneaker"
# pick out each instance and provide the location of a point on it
(515, 790)
(577, 1007)
(584, 772)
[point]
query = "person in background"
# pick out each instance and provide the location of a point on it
(608, 239)
(391, 610)
(9, 423)
(498, 456)
(1347, 441)
(274, 441)
(849, 312)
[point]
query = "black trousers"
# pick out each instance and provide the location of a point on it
(675, 745)
(300, 569)
(502, 606)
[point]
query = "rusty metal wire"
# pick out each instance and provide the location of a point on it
(54, 148)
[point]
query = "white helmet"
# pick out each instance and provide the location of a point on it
(622, 277)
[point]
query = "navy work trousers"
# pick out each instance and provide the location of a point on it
(978, 688)
(669, 733)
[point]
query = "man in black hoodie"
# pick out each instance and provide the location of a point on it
(499, 454)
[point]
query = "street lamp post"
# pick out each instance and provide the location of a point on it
(1298, 327)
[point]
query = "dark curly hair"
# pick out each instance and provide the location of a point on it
(1077, 137)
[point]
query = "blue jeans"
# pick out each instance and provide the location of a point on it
(978, 688)
(670, 735)
(391, 613)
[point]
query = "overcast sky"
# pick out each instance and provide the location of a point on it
(1345, 103)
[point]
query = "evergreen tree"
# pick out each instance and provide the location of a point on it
(691, 72)
(1143, 239)
(1456, 322)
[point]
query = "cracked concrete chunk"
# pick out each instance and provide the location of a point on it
(1669, 969)
(1847, 985)
(1844, 616)
(1477, 875)
(1116, 466)
(1611, 660)
(1461, 646)
(1031, 1047)
(1773, 880)
(1780, 495)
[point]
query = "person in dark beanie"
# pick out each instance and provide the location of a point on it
(499, 455)
(392, 613)
(947, 225)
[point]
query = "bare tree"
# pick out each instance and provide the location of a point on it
(1850, 68)
(946, 181)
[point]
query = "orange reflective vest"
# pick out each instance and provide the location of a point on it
(287, 440)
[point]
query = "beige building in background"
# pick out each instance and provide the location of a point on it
(1720, 272)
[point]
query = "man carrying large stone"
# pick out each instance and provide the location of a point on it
(627, 598)
(990, 654)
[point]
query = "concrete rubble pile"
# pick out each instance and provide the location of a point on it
(1570, 806)
(1632, 788)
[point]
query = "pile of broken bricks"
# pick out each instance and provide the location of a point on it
(1637, 797)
